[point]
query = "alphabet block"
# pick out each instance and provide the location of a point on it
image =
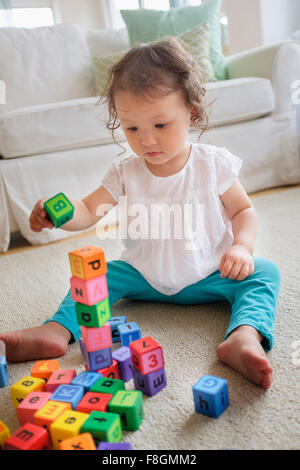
(129, 405)
(146, 355)
(114, 446)
(105, 385)
(103, 426)
(28, 437)
(93, 315)
(94, 401)
(50, 412)
(89, 292)
(86, 380)
(96, 338)
(4, 372)
(129, 332)
(81, 442)
(4, 434)
(149, 384)
(68, 424)
(30, 405)
(69, 394)
(88, 262)
(123, 357)
(24, 386)
(43, 369)
(211, 395)
(114, 322)
(96, 359)
(59, 209)
(60, 377)
(111, 371)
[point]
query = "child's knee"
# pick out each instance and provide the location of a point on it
(267, 269)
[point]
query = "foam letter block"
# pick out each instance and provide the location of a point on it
(68, 424)
(105, 385)
(111, 371)
(60, 377)
(93, 315)
(43, 369)
(30, 405)
(94, 401)
(211, 395)
(86, 380)
(103, 426)
(114, 446)
(129, 405)
(28, 437)
(114, 322)
(4, 434)
(81, 442)
(89, 292)
(59, 209)
(146, 355)
(96, 359)
(24, 386)
(149, 384)
(129, 332)
(123, 357)
(69, 394)
(96, 338)
(50, 412)
(4, 372)
(88, 262)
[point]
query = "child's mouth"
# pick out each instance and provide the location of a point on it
(152, 154)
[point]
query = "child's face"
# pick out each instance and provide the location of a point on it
(156, 128)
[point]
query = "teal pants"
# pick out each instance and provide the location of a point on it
(253, 300)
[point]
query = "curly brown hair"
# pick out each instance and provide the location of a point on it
(159, 67)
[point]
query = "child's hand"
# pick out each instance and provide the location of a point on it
(236, 263)
(38, 218)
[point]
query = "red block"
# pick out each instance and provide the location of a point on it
(96, 338)
(60, 377)
(28, 437)
(111, 371)
(94, 401)
(31, 403)
(146, 355)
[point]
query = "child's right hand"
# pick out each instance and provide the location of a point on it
(38, 218)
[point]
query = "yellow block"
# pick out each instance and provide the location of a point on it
(67, 425)
(24, 386)
(4, 434)
(83, 441)
(49, 413)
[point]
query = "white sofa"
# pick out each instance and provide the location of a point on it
(52, 133)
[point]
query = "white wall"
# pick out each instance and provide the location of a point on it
(84, 12)
(280, 19)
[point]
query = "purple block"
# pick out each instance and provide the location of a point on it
(114, 446)
(95, 360)
(123, 357)
(149, 384)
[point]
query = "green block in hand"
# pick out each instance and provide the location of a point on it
(59, 209)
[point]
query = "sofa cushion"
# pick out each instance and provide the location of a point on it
(81, 123)
(44, 65)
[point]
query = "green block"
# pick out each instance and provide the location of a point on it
(129, 405)
(108, 385)
(103, 426)
(59, 209)
(95, 315)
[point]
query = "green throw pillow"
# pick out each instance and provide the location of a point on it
(196, 42)
(145, 25)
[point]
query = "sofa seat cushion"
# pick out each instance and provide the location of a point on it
(239, 99)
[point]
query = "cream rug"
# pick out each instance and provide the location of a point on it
(34, 281)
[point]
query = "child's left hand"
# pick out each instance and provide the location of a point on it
(237, 263)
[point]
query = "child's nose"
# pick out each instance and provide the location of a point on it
(148, 139)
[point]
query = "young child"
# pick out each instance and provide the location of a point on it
(155, 94)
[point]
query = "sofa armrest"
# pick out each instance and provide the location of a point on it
(278, 62)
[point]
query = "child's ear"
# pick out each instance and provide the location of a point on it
(193, 113)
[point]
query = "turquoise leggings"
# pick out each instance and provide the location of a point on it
(253, 300)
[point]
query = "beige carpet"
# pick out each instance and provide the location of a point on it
(34, 281)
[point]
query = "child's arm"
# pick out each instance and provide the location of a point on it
(87, 212)
(237, 262)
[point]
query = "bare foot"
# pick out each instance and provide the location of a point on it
(243, 352)
(41, 342)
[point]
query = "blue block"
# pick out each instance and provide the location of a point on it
(69, 394)
(4, 373)
(86, 379)
(100, 359)
(129, 332)
(123, 357)
(211, 395)
(114, 322)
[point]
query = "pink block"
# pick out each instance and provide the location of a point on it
(89, 292)
(31, 403)
(60, 377)
(96, 338)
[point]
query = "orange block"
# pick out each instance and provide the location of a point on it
(43, 369)
(50, 412)
(81, 442)
(88, 262)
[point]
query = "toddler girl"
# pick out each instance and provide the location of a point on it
(155, 94)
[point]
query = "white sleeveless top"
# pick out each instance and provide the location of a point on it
(174, 228)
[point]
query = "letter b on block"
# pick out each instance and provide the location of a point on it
(211, 395)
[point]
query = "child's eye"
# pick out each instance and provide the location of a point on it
(132, 129)
(160, 126)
